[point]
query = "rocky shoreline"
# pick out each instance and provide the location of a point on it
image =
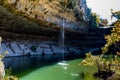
(20, 48)
(30, 48)
(75, 44)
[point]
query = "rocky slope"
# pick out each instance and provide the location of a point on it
(12, 26)
(51, 12)
(41, 18)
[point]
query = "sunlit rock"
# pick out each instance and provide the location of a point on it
(11, 1)
(2, 71)
(54, 12)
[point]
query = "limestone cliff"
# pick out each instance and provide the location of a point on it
(53, 11)
(2, 71)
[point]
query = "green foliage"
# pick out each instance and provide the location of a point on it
(1, 2)
(103, 22)
(110, 63)
(88, 76)
(8, 71)
(71, 4)
(103, 64)
(10, 78)
(114, 38)
(115, 14)
(8, 75)
(90, 60)
(2, 55)
(94, 20)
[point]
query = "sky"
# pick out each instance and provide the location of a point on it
(102, 8)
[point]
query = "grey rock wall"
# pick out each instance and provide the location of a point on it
(28, 48)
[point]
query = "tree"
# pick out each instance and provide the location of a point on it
(103, 22)
(69, 3)
(111, 63)
(94, 20)
(115, 14)
(114, 38)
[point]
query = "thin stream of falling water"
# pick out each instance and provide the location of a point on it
(61, 38)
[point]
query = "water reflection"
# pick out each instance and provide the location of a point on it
(24, 63)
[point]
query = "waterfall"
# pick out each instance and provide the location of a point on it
(61, 38)
(62, 45)
(0, 43)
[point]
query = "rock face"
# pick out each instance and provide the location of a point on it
(11, 1)
(2, 71)
(73, 46)
(86, 11)
(54, 11)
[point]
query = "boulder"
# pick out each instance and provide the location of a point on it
(2, 71)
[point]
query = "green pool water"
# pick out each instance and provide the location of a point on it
(68, 70)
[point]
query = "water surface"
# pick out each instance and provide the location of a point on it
(23, 65)
(70, 70)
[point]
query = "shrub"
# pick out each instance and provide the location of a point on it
(111, 65)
